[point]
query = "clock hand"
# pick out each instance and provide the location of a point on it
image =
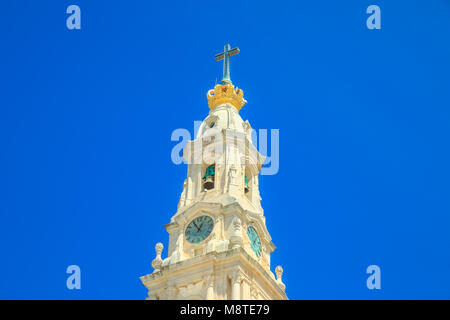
(198, 229)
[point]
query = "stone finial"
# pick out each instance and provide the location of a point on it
(156, 263)
(159, 248)
(279, 273)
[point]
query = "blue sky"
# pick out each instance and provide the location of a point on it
(86, 119)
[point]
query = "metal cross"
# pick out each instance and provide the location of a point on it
(225, 55)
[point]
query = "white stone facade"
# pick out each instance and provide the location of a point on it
(223, 265)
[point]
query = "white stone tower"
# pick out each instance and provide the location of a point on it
(219, 246)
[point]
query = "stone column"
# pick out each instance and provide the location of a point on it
(236, 238)
(221, 288)
(245, 289)
(232, 181)
(236, 286)
(198, 179)
(209, 287)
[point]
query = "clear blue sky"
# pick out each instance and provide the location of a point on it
(86, 117)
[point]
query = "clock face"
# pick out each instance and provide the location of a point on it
(255, 242)
(199, 229)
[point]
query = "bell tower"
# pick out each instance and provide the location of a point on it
(219, 245)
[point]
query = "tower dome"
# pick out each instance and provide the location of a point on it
(223, 116)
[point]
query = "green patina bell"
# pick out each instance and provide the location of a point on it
(246, 188)
(209, 178)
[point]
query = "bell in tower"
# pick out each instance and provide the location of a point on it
(208, 178)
